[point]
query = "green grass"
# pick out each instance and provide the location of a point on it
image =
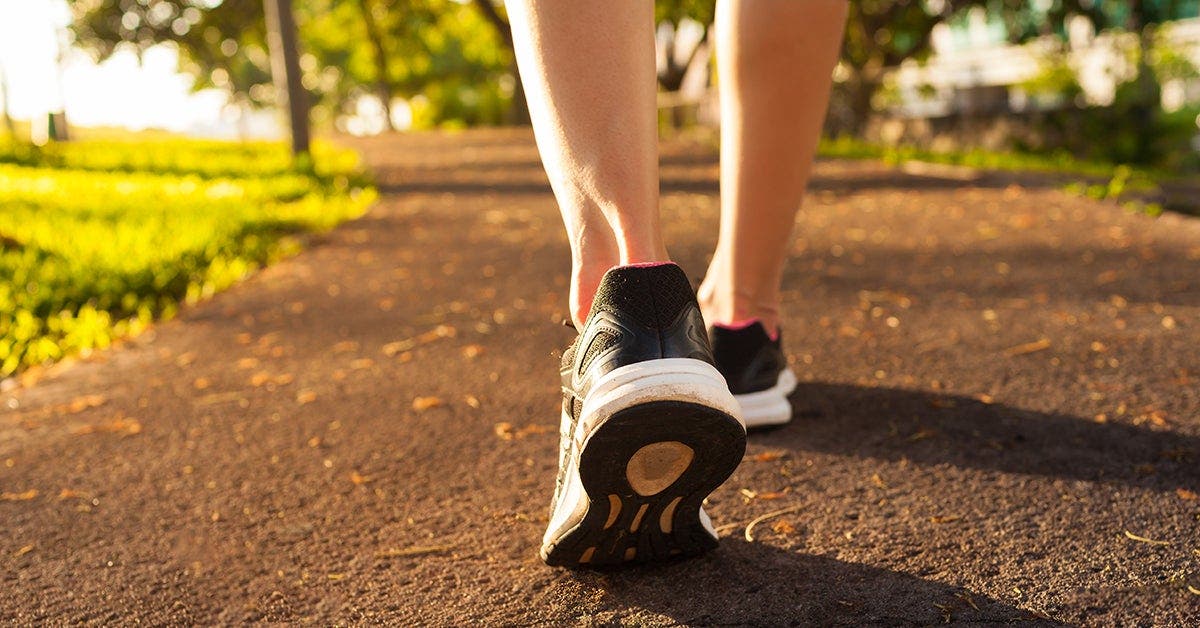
(1094, 179)
(99, 238)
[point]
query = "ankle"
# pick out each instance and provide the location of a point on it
(586, 281)
(727, 306)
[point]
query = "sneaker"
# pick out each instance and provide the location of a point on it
(649, 427)
(756, 370)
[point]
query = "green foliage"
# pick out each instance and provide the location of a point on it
(442, 50)
(1133, 128)
(97, 240)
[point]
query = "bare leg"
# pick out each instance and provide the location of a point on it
(589, 75)
(775, 63)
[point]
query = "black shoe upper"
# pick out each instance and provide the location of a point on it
(748, 357)
(639, 313)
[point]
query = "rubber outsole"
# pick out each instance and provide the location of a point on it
(678, 451)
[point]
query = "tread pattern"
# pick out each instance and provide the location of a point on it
(623, 527)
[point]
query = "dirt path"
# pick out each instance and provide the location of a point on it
(999, 421)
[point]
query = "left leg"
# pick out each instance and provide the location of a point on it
(775, 62)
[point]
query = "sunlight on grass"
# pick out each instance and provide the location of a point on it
(99, 238)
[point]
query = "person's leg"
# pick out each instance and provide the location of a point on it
(775, 61)
(589, 76)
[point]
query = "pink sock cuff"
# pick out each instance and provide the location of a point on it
(746, 322)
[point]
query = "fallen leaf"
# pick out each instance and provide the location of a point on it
(1186, 495)
(1148, 415)
(783, 527)
(392, 348)
(118, 425)
(258, 379)
(359, 479)
(1029, 347)
(921, 434)
(399, 346)
(247, 363)
(504, 430)
(79, 404)
(471, 352)
(472, 401)
(749, 533)
(67, 493)
(878, 481)
(19, 497)
(535, 428)
(305, 396)
(201, 383)
(768, 456)
(1142, 539)
(24, 550)
(421, 404)
(418, 550)
(1193, 590)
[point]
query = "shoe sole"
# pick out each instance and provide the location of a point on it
(770, 407)
(645, 469)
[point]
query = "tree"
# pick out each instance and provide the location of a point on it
(4, 102)
(672, 14)
(519, 110)
(880, 34)
(285, 69)
(379, 52)
(443, 50)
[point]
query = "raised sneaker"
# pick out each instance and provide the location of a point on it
(754, 366)
(649, 427)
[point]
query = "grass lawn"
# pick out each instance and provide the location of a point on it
(100, 237)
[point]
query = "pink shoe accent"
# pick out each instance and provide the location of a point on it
(744, 323)
(646, 265)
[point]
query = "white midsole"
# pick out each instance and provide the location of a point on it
(666, 379)
(770, 406)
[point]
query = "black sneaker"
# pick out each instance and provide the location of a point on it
(756, 370)
(649, 427)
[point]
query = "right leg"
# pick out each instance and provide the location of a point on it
(649, 426)
(588, 69)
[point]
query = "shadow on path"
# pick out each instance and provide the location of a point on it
(746, 583)
(931, 429)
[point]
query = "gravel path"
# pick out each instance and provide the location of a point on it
(998, 420)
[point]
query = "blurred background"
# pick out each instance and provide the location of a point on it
(1110, 80)
(121, 194)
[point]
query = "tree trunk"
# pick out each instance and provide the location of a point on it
(518, 111)
(285, 70)
(861, 89)
(382, 86)
(4, 102)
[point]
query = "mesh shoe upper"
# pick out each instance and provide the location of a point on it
(749, 358)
